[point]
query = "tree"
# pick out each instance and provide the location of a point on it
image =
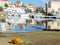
(3, 20)
(37, 10)
(28, 10)
(6, 5)
(1, 8)
(9, 23)
(42, 10)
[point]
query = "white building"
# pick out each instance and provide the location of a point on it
(14, 7)
(18, 10)
(54, 5)
(3, 2)
(11, 5)
(31, 7)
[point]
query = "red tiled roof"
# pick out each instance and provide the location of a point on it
(4, 0)
(31, 6)
(19, 6)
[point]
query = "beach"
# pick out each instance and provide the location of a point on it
(32, 38)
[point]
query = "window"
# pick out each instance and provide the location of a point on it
(19, 15)
(12, 15)
(32, 17)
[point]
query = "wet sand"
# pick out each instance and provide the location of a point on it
(32, 38)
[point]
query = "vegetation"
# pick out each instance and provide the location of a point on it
(40, 9)
(6, 5)
(3, 20)
(37, 10)
(28, 10)
(9, 23)
(39, 23)
(1, 9)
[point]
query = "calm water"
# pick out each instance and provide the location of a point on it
(28, 28)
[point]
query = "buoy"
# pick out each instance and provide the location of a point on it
(17, 41)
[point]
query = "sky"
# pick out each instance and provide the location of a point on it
(36, 2)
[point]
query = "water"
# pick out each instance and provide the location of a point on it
(28, 28)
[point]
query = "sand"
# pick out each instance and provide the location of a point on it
(32, 38)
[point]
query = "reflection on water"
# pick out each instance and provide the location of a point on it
(28, 28)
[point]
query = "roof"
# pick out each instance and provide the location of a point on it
(4, 0)
(20, 6)
(31, 6)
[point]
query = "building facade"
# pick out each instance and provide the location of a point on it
(32, 7)
(54, 5)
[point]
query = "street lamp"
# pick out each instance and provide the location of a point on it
(46, 8)
(46, 14)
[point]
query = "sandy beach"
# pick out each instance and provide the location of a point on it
(32, 38)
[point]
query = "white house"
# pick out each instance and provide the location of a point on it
(32, 7)
(11, 5)
(3, 2)
(18, 10)
(54, 4)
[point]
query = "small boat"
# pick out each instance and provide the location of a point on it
(21, 26)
